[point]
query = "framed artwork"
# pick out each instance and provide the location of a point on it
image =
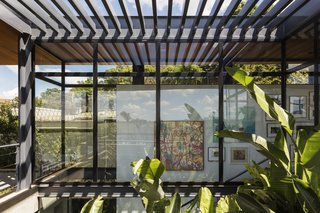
(272, 130)
(181, 145)
(213, 153)
(239, 155)
(311, 113)
(298, 106)
(311, 98)
(277, 99)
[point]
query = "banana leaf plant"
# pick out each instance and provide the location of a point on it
(148, 184)
(281, 187)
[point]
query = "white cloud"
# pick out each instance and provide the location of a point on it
(10, 94)
(161, 4)
(74, 80)
(12, 68)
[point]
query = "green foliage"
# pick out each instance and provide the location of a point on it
(93, 206)
(147, 183)
(51, 98)
(8, 133)
(276, 188)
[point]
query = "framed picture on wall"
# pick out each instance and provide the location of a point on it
(311, 113)
(298, 106)
(213, 153)
(272, 130)
(239, 155)
(277, 99)
(311, 98)
(181, 145)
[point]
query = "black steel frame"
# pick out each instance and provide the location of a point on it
(25, 182)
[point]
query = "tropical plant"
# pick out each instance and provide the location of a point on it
(281, 187)
(147, 183)
(93, 206)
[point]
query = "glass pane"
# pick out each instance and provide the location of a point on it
(48, 128)
(135, 119)
(242, 114)
(189, 116)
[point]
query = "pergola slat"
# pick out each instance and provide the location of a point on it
(293, 8)
(45, 5)
(19, 9)
(95, 10)
(67, 12)
(229, 12)
(141, 18)
(41, 14)
(262, 8)
(183, 18)
(83, 14)
(17, 24)
(155, 16)
(249, 5)
(198, 18)
(170, 2)
(277, 8)
(125, 12)
(112, 15)
(213, 14)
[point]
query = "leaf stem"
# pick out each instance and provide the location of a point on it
(299, 155)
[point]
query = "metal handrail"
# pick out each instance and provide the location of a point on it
(9, 145)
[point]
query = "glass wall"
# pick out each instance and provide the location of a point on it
(126, 110)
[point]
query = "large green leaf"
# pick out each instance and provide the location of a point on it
(306, 196)
(301, 140)
(148, 169)
(227, 203)
(265, 102)
(205, 200)
(93, 206)
(311, 153)
(175, 204)
(281, 143)
(192, 204)
(150, 189)
(249, 204)
(266, 148)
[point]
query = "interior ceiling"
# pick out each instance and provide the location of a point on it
(9, 38)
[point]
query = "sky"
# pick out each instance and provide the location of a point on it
(162, 7)
(9, 77)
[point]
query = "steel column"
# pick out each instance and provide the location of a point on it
(316, 72)
(220, 125)
(158, 99)
(139, 78)
(95, 112)
(26, 84)
(283, 75)
(63, 115)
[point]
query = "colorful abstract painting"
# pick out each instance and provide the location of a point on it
(181, 145)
